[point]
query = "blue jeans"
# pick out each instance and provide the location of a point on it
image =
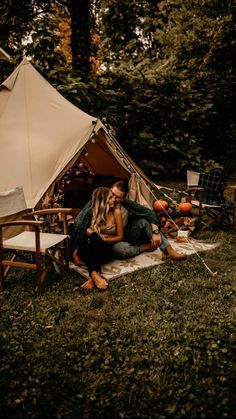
(136, 233)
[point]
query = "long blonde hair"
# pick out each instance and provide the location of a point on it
(100, 208)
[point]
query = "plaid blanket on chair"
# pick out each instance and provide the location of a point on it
(213, 184)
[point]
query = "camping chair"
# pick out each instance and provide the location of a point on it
(43, 242)
(207, 193)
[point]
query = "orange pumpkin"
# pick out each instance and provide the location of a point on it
(185, 207)
(160, 205)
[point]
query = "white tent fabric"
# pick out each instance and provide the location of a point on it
(42, 134)
(12, 201)
(12, 208)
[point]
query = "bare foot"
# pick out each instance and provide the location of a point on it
(178, 256)
(172, 254)
(99, 281)
(89, 284)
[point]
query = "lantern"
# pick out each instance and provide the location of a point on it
(160, 205)
(185, 207)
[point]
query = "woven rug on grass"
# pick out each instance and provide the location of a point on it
(117, 268)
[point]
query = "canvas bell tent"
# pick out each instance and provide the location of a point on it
(45, 140)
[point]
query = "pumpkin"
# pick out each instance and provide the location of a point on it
(160, 205)
(185, 207)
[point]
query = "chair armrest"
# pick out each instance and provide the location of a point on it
(233, 187)
(22, 222)
(195, 189)
(49, 211)
(61, 215)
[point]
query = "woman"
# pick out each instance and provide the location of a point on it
(106, 228)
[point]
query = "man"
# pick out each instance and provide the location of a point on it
(141, 228)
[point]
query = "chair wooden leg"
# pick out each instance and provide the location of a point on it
(39, 272)
(1, 276)
(67, 254)
(1, 260)
(38, 283)
(40, 279)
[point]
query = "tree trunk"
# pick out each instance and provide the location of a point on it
(81, 42)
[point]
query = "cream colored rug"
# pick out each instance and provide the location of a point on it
(117, 268)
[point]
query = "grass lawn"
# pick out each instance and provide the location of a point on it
(159, 343)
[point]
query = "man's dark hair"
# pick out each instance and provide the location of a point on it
(122, 185)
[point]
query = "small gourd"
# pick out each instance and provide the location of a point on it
(185, 207)
(160, 205)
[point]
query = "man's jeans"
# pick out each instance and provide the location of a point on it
(136, 233)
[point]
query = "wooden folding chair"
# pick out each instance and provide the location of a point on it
(34, 248)
(207, 193)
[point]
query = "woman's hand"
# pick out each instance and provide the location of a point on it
(104, 236)
(89, 231)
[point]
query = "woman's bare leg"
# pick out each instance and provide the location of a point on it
(76, 259)
(99, 281)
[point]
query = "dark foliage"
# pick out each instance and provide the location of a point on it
(166, 72)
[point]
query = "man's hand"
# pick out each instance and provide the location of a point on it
(156, 239)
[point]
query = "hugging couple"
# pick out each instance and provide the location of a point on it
(111, 226)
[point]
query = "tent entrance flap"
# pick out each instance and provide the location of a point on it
(95, 166)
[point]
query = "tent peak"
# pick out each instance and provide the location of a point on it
(25, 61)
(10, 81)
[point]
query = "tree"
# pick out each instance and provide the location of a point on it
(28, 28)
(168, 98)
(160, 71)
(82, 18)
